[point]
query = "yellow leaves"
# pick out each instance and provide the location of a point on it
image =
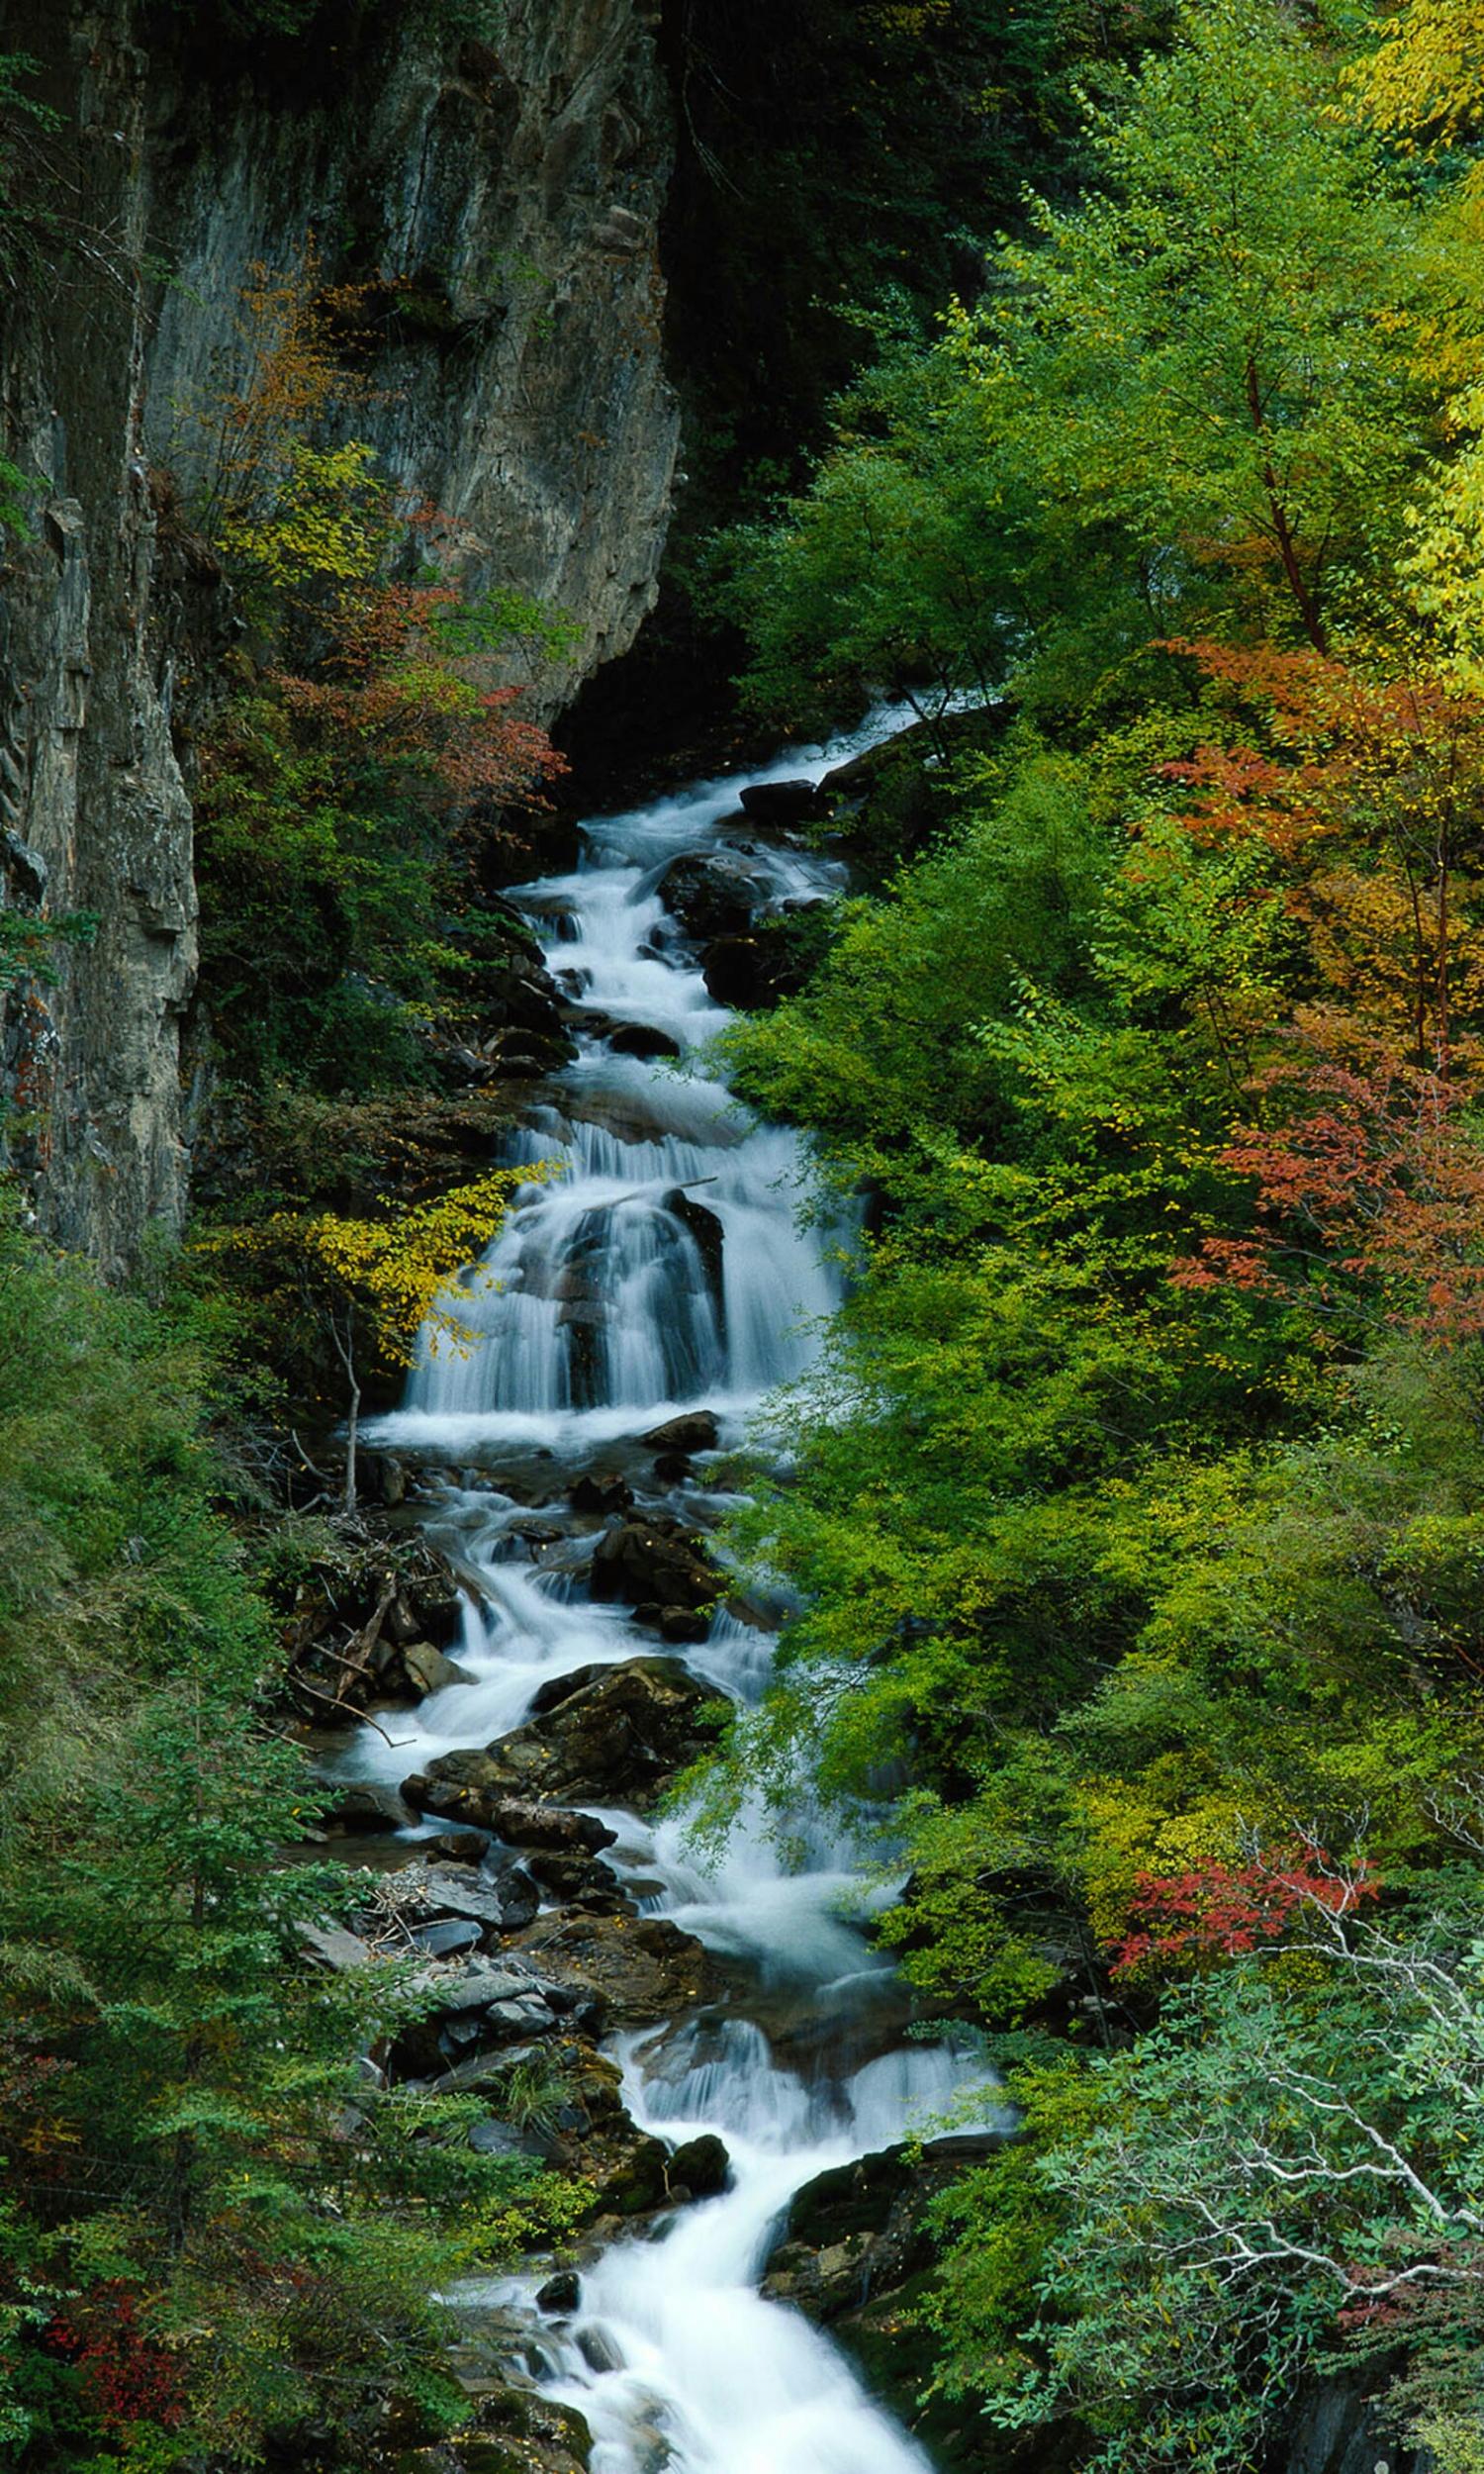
(293, 512)
(1163, 1824)
(405, 1271)
(1443, 569)
(1425, 78)
(328, 520)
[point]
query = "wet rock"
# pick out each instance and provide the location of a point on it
(366, 1810)
(636, 1970)
(469, 1786)
(516, 1892)
(750, 972)
(565, 1876)
(334, 1947)
(699, 2167)
(443, 1940)
(520, 2433)
(560, 2293)
(676, 1625)
(534, 1825)
(696, 1431)
(458, 1846)
(642, 1039)
(653, 1562)
(604, 1731)
(795, 801)
(429, 1670)
(853, 2256)
(598, 2350)
(711, 894)
(846, 2230)
(600, 1494)
(710, 1239)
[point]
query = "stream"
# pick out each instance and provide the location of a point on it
(663, 1268)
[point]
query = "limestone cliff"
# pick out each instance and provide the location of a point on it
(497, 199)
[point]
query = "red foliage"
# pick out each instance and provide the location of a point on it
(125, 2375)
(1220, 1910)
(1365, 1166)
(410, 703)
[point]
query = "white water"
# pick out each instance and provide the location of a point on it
(599, 1313)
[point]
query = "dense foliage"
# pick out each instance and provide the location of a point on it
(212, 2222)
(1135, 1517)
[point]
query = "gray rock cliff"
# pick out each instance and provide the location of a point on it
(498, 202)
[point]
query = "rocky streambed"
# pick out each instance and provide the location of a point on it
(539, 1653)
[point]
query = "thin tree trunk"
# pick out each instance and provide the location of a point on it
(1288, 548)
(345, 1352)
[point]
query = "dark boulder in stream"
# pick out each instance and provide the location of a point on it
(759, 970)
(595, 1735)
(653, 1562)
(855, 2255)
(795, 802)
(712, 895)
(461, 1791)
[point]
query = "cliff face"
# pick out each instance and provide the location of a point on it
(500, 202)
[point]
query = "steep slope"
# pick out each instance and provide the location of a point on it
(498, 204)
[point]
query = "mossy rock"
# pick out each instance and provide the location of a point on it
(520, 2433)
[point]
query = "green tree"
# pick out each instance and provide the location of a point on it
(1193, 391)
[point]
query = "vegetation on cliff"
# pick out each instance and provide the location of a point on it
(1136, 1519)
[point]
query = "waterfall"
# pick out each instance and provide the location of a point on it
(659, 1266)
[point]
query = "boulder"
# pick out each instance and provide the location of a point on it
(480, 1990)
(795, 802)
(680, 1627)
(635, 1970)
(695, 1431)
(457, 1847)
(566, 1876)
(512, 1884)
(653, 1562)
(710, 893)
(501, 1897)
(443, 1941)
(600, 1494)
(382, 1479)
(365, 1809)
(429, 1670)
(755, 971)
(560, 2293)
(599, 1734)
(334, 1947)
(853, 2256)
(642, 1039)
(699, 2167)
(471, 1786)
(520, 2433)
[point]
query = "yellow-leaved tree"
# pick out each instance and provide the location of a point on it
(1421, 85)
(370, 1287)
(1425, 79)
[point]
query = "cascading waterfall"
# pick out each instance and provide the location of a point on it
(661, 1267)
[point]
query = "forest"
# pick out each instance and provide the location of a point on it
(1102, 391)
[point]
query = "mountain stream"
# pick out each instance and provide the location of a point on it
(664, 1269)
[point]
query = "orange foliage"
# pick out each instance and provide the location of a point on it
(1369, 791)
(393, 691)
